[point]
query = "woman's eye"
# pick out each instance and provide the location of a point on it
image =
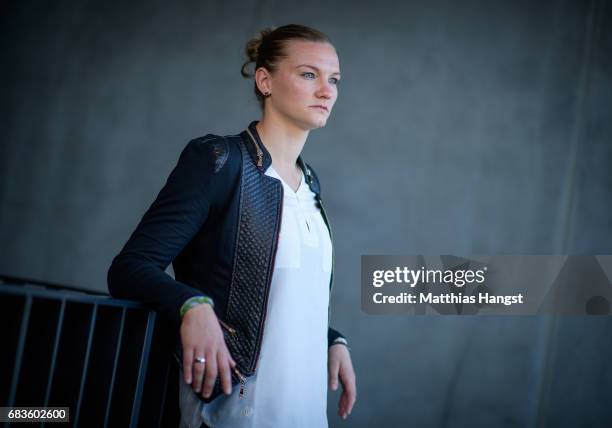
(308, 74)
(334, 80)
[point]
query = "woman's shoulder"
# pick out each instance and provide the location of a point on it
(218, 151)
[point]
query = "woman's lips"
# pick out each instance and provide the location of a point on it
(321, 108)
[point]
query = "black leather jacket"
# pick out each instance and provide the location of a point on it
(217, 219)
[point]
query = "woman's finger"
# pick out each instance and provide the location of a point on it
(198, 369)
(332, 373)
(224, 372)
(211, 373)
(187, 362)
(349, 394)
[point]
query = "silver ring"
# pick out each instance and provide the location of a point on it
(200, 360)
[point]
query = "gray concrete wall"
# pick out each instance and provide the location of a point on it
(480, 127)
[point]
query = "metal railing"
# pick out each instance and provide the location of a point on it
(108, 360)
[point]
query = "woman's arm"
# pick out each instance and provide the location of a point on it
(172, 220)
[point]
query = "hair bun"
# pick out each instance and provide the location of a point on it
(252, 50)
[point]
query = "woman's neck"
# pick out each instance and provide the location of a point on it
(283, 141)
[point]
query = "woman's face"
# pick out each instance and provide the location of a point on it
(304, 85)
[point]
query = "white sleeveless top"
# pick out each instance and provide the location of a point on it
(289, 388)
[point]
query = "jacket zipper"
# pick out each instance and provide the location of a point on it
(259, 151)
(240, 375)
(230, 329)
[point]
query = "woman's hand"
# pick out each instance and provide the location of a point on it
(339, 363)
(201, 336)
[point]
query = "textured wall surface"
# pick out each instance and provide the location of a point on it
(479, 127)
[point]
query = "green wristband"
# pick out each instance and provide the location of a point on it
(194, 301)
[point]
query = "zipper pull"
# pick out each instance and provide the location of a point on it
(242, 383)
(241, 395)
(231, 330)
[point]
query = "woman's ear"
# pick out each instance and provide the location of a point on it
(263, 81)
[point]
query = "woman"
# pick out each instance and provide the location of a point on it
(241, 219)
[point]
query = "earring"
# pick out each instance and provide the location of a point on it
(266, 94)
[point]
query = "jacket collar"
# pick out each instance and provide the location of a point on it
(262, 158)
(260, 155)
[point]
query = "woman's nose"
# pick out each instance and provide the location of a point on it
(326, 90)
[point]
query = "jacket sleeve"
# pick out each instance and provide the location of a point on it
(334, 337)
(172, 220)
